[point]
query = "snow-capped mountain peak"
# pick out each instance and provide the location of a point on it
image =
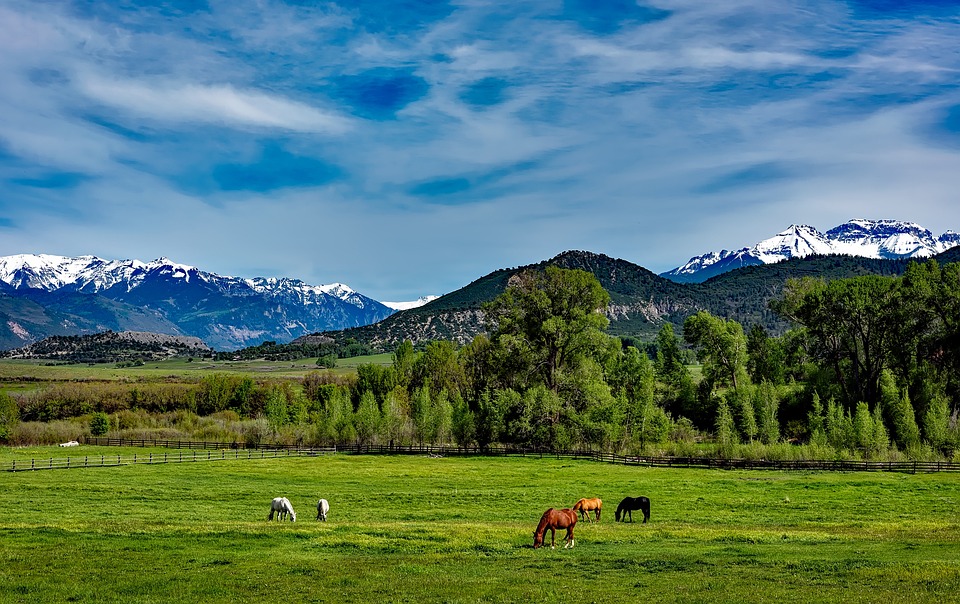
(857, 237)
(228, 311)
(796, 241)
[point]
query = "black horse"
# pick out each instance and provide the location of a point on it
(633, 503)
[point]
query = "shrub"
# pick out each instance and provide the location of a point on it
(99, 424)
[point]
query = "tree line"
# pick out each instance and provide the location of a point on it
(869, 369)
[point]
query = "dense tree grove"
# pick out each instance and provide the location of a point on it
(870, 369)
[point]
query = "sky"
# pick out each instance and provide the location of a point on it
(407, 148)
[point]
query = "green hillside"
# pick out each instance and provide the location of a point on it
(641, 301)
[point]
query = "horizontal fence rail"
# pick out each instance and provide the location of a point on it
(669, 462)
(216, 451)
(183, 455)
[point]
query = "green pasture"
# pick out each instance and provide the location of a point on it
(29, 373)
(421, 529)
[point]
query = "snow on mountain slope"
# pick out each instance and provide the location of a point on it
(412, 304)
(858, 237)
(90, 274)
(225, 312)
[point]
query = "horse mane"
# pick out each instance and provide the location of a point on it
(543, 522)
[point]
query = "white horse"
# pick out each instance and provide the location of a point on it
(281, 507)
(322, 509)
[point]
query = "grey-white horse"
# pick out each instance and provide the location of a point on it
(322, 509)
(281, 507)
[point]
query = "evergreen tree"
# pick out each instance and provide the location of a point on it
(839, 427)
(742, 405)
(936, 423)
(903, 419)
(768, 404)
(881, 441)
(726, 428)
(863, 429)
(816, 422)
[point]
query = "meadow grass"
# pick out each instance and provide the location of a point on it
(29, 374)
(420, 529)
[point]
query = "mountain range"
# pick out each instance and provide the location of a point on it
(46, 295)
(641, 302)
(43, 295)
(887, 239)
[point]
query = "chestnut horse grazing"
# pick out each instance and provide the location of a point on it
(585, 506)
(633, 503)
(552, 520)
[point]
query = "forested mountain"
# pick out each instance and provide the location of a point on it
(640, 301)
(112, 347)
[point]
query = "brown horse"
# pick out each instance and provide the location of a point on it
(552, 520)
(585, 506)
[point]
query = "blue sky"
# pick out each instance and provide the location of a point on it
(406, 148)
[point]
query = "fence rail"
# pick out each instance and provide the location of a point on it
(216, 451)
(183, 455)
(671, 462)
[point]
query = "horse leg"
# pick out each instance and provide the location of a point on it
(553, 537)
(569, 538)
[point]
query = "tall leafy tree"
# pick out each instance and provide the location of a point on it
(403, 359)
(721, 347)
(852, 328)
(765, 357)
(550, 320)
(368, 419)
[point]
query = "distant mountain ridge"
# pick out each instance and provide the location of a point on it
(641, 302)
(111, 347)
(882, 239)
(172, 298)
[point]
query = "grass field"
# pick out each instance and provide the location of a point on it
(419, 529)
(31, 373)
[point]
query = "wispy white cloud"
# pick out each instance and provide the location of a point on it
(524, 129)
(179, 102)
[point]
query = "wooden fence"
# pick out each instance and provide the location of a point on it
(670, 462)
(184, 455)
(216, 451)
(196, 444)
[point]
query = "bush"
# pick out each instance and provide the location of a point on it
(46, 433)
(99, 424)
